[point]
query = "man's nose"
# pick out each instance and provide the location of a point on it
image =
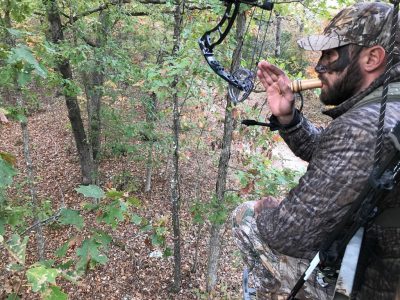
(321, 69)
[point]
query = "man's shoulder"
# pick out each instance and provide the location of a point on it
(375, 97)
(366, 113)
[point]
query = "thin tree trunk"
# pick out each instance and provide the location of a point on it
(197, 197)
(278, 33)
(94, 85)
(40, 240)
(74, 113)
(175, 186)
(149, 168)
(229, 124)
(151, 112)
(93, 82)
(32, 190)
(5, 22)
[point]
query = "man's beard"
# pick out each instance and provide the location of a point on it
(344, 87)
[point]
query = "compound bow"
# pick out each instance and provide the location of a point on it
(242, 79)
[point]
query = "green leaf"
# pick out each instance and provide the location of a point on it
(71, 276)
(48, 263)
(6, 173)
(62, 250)
(113, 194)
(15, 267)
(65, 265)
(113, 213)
(91, 191)
(90, 252)
(157, 240)
(147, 227)
(54, 293)
(11, 159)
(18, 33)
(71, 217)
(23, 53)
(13, 296)
(39, 276)
(23, 78)
(90, 206)
(103, 238)
(20, 118)
(136, 219)
(167, 252)
(134, 201)
(17, 247)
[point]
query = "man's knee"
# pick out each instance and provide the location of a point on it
(243, 214)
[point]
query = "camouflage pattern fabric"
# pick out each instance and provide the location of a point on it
(272, 272)
(364, 24)
(340, 160)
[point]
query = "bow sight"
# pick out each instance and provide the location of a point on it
(241, 80)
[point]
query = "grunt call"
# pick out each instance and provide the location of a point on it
(306, 84)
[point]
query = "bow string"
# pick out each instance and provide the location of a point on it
(241, 81)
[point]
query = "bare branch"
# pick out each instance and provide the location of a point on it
(197, 7)
(90, 42)
(94, 10)
(153, 1)
(136, 13)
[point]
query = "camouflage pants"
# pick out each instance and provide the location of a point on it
(272, 272)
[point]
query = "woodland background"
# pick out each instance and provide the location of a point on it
(121, 157)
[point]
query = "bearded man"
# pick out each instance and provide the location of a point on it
(277, 239)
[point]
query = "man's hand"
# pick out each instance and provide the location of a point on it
(280, 96)
(265, 203)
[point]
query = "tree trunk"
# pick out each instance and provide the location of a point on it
(175, 186)
(151, 112)
(40, 240)
(229, 124)
(94, 81)
(32, 190)
(5, 22)
(278, 33)
(197, 197)
(74, 113)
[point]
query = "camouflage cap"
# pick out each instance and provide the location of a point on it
(364, 24)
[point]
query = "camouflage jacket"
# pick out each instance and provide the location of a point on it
(340, 160)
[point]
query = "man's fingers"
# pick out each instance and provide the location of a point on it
(264, 78)
(284, 86)
(271, 69)
(268, 73)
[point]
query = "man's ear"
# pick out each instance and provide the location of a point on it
(373, 59)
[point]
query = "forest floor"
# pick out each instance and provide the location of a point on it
(132, 272)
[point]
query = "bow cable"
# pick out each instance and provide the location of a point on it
(233, 91)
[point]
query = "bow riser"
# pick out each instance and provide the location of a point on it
(241, 79)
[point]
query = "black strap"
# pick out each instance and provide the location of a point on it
(362, 211)
(364, 208)
(274, 123)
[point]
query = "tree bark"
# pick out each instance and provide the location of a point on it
(40, 240)
(175, 186)
(151, 111)
(5, 22)
(229, 124)
(74, 113)
(32, 190)
(278, 33)
(94, 85)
